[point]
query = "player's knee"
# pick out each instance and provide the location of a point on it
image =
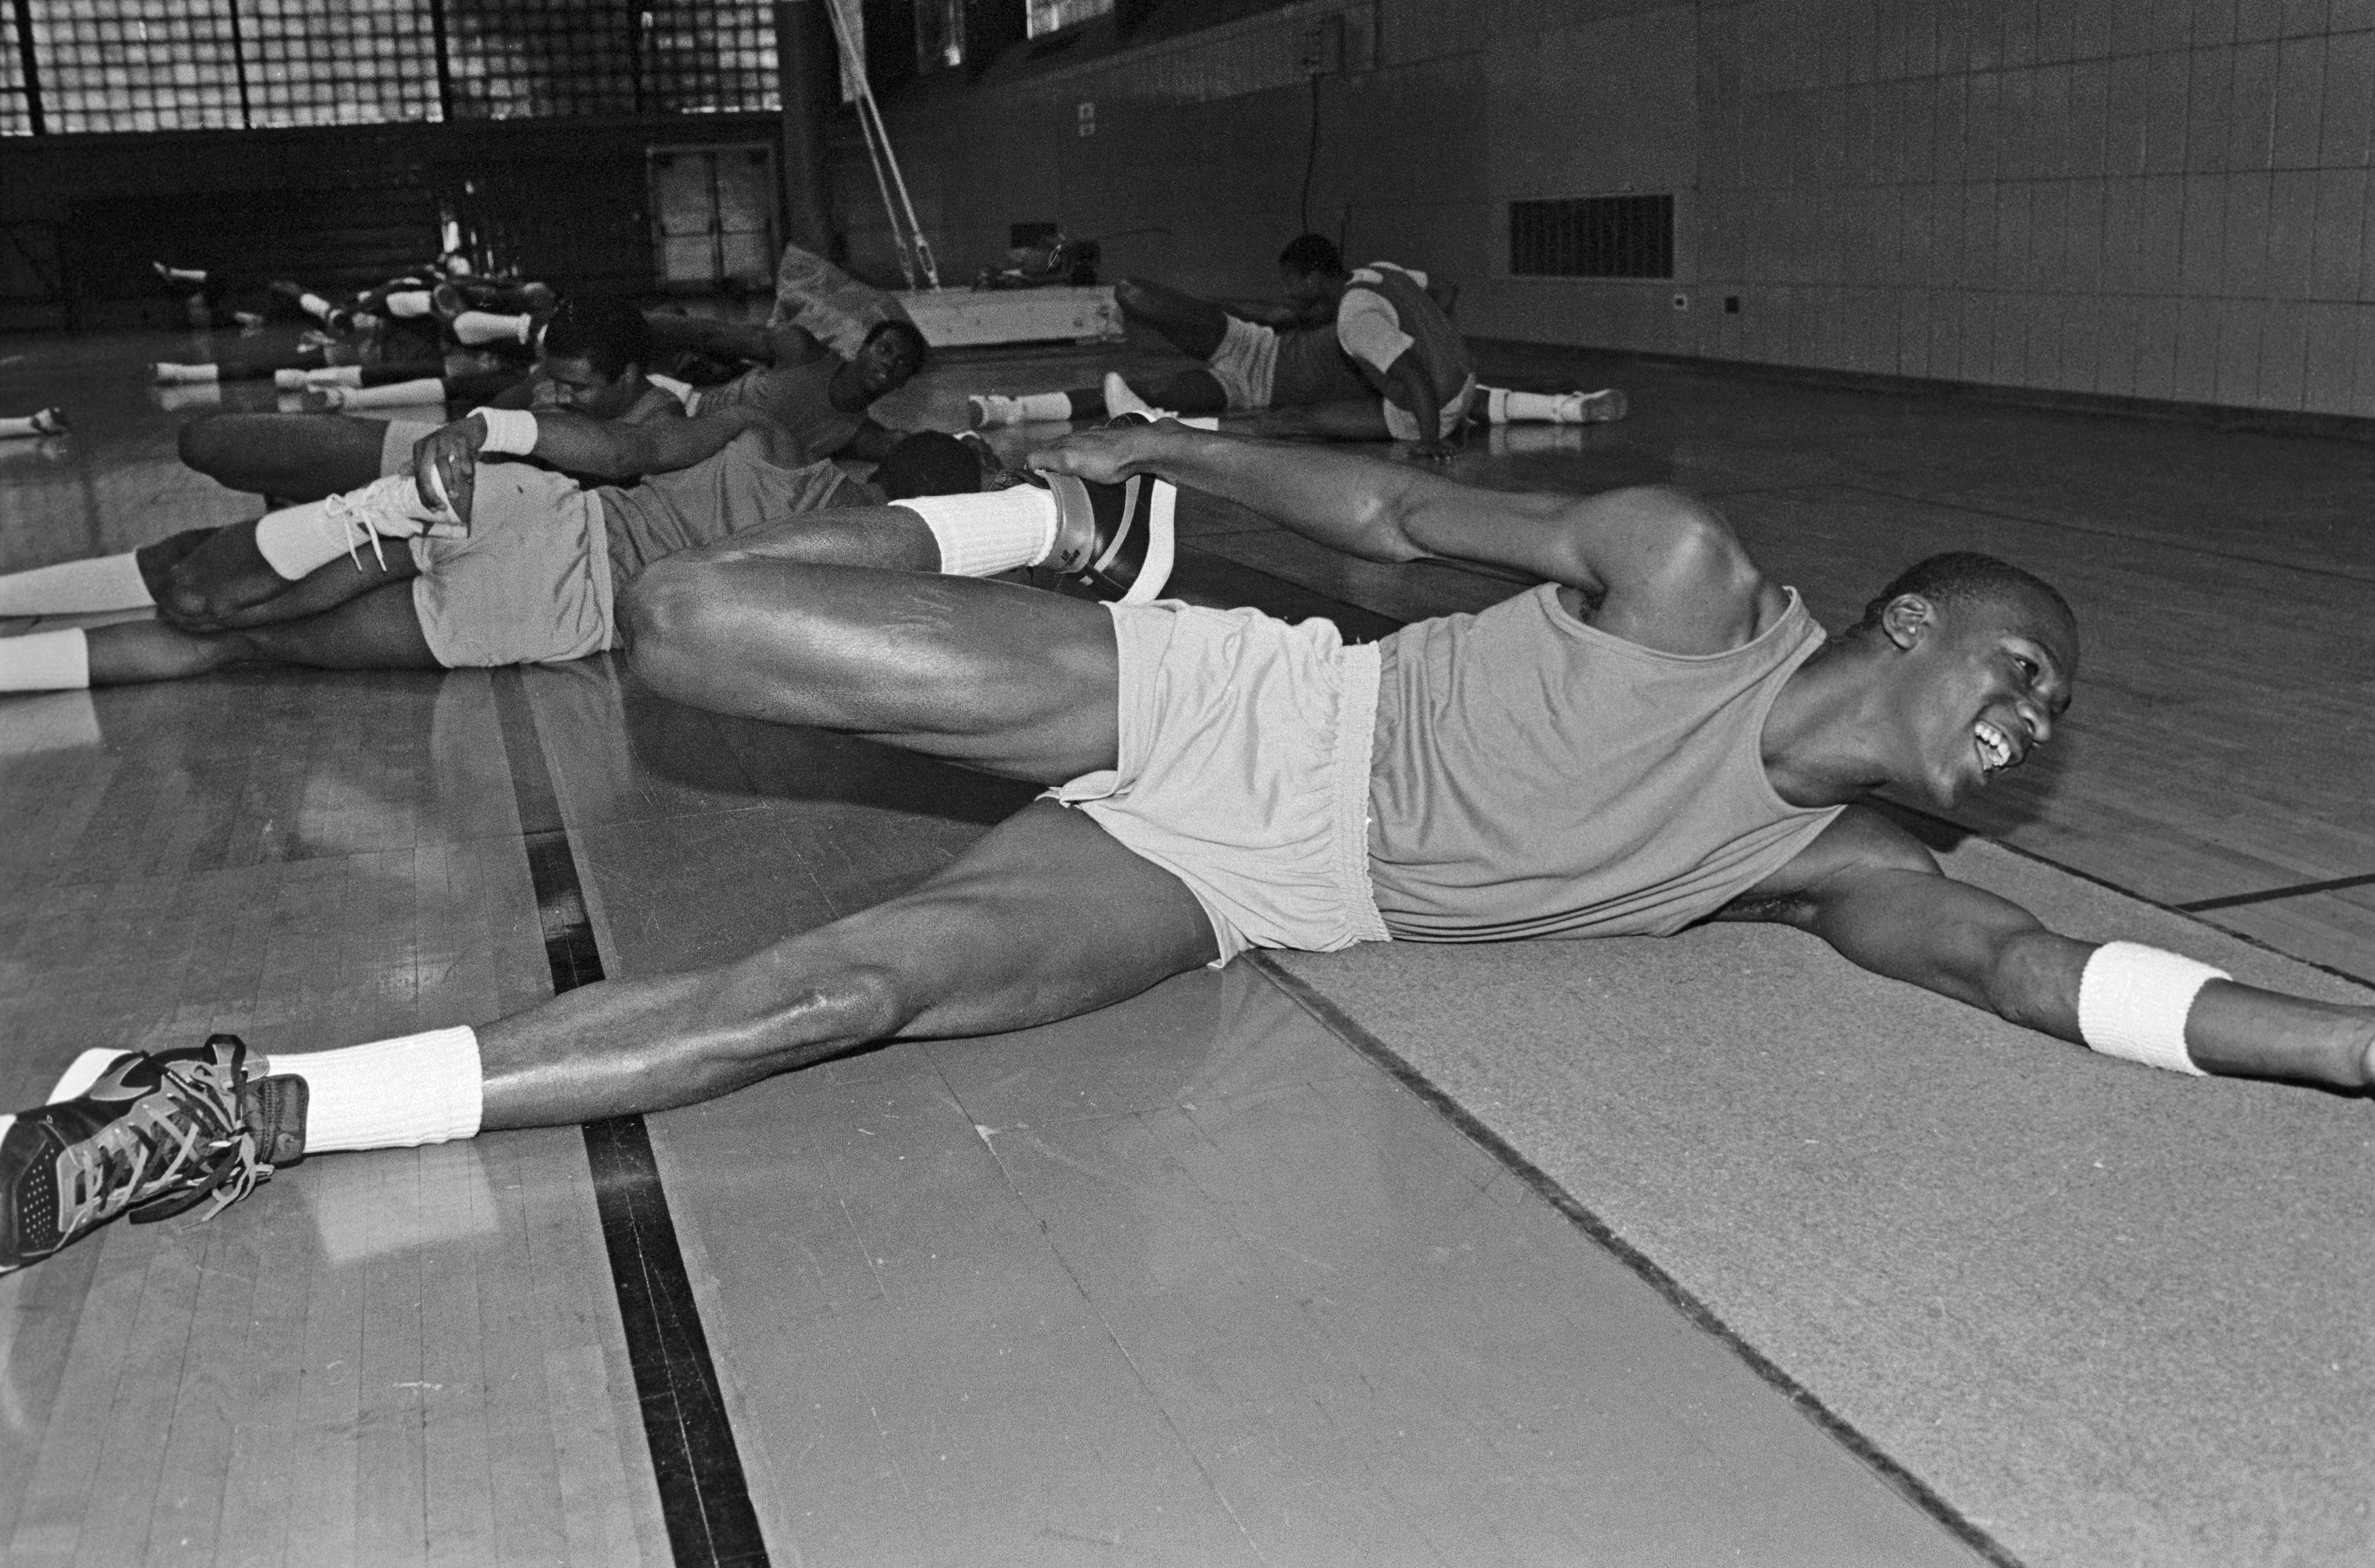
(206, 442)
(183, 597)
(668, 614)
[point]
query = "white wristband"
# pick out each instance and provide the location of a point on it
(2133, 1001)
(510, 431)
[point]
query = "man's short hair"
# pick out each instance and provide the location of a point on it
(906, 331)
(1964, 575)
(605, 331)
(927, 462)
(1307, 254)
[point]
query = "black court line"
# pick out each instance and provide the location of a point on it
(1912, 1488)
(705, 1497)
(2299, 890)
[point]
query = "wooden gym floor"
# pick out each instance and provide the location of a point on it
(1216, 1276)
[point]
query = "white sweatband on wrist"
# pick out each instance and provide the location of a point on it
(2133, 1002)
(510, 431)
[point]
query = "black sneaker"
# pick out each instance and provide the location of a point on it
(1113, 540)
(156, 1134)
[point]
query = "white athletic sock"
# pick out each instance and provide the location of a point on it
(393, 395)
(1038, 407)
(314, 305)
(475, 327)
(45, 661)
(995, 531)
(391, 1093)
(168, 373)
(1504, 406)
(321, 375)
(76, 588)
(408, 302)
(45, 422)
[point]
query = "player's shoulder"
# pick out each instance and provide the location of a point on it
(1670, 560)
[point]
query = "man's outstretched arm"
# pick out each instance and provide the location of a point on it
(601, 449)
(1896, 914)
(1655, 548)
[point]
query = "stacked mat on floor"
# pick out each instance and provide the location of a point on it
(2111, 1314)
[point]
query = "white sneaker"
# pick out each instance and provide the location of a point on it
(389, 507)
(1121, 400)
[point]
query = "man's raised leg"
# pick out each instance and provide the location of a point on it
(290, 456)
(1193, 327)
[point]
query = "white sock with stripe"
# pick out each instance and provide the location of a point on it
(390, 1093)
(76, 588)
(476, 328)
(388, 394)
(981, 536)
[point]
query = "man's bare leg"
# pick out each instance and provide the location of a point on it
(1363, 421)
(1006, 680)
(293, 457)
(380, 630)
(1046, 918)
(1193, 327)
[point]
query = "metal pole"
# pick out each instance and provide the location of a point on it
(803, 66)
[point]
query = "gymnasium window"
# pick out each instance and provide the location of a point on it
(1054, 16)
(1593, 237)
(339, 62)
(16, 114)
(208, 64)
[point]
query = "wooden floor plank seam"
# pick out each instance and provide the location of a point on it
(705, 1496)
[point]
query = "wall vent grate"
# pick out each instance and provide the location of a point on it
(1593, 237)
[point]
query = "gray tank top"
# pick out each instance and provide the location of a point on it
(716, 499)
(1534, 776)
(798, 397)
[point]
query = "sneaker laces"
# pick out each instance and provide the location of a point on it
(186, 1133)
(351, 517)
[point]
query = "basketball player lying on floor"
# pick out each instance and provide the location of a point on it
(1350, 356)
(380, 579)
(1658, 734)
(591, 361)
(797, 381)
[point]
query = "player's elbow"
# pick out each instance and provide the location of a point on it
(2025, 972)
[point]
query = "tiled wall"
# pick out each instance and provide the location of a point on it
(2149, 198)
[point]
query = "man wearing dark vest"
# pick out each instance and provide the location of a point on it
(1369, 355)
(1658, 734)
